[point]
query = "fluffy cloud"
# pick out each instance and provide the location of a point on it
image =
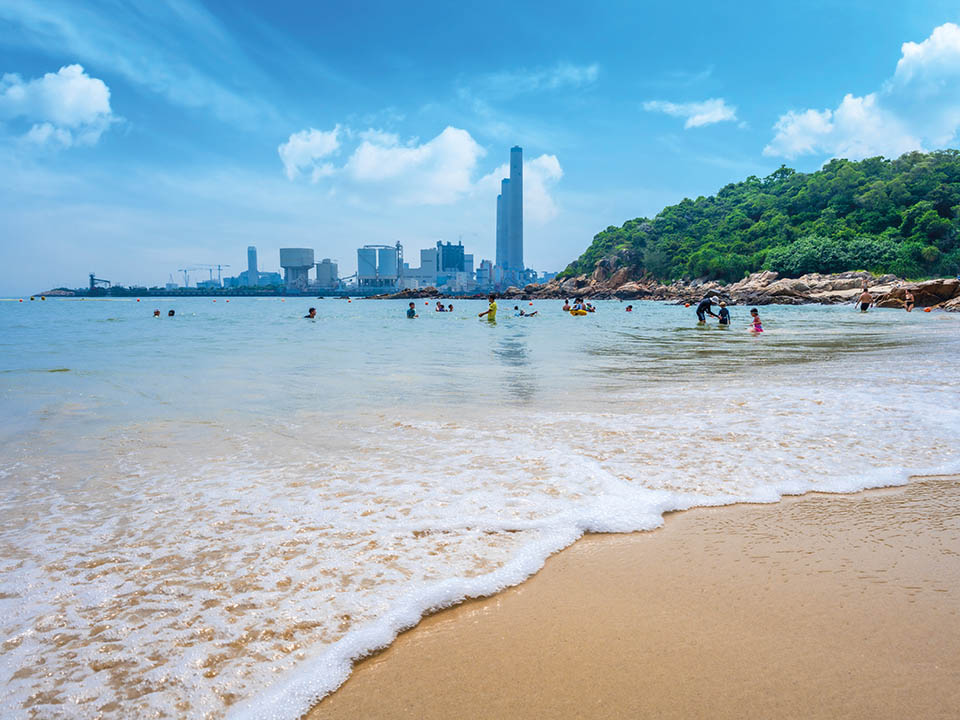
(66, 108)
(917, 108)
(436, 172)
(305, 151)
(697, 114)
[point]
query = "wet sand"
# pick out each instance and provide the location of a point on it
(822, 606)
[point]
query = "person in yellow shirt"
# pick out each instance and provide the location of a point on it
(490, 312)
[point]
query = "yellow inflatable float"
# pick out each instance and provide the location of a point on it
(578, 312)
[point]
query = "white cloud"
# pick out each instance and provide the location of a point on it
(305, 150)
(697, 114)
(436, 172)
(917, 108)
(562, 75)
(67, 107)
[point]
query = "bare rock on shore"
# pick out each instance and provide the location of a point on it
(930, 293)
(408, 294)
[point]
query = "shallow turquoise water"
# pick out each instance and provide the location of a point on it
(212, 513)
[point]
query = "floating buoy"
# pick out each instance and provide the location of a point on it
(686, 304)
(531, 303)
(348, 300)
(138, 299)
(926, 309)
(214, 300)
(21, 299)
(226, 301)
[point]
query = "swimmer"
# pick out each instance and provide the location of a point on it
(440, 307)
(908, 301)
(566, 306)
(865, 300)
(450, 308)
(412, 311)
(578, 305)
(156, 313)
(703, 309)
(520, 313)
(171, 313)
(589, 308)
(755, 325)
(629, 308)
(311, 313)
(724, 314)
(490, 312)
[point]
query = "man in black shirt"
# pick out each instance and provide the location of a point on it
(703, 309)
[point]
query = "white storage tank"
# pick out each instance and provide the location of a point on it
(366, 264)
(387, 263)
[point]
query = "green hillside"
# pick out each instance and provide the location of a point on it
(887, 216)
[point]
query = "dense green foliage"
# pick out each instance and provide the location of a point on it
(886, 216)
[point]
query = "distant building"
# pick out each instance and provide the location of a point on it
(379, 266)
(252, 278)
(296, 264)
(509, 268)
(328, 276)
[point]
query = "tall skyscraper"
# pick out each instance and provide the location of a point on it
(503, 212)
(509, 267)
(515, 246)
(253, 275)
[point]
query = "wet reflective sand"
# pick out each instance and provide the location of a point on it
(822, 606)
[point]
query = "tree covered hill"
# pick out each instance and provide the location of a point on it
(887, 216)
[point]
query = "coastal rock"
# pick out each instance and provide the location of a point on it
(926, 294)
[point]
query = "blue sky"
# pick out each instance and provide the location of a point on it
(137, 138)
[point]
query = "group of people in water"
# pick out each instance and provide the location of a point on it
(579, 307)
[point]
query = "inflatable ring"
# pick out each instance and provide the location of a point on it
(578, 312)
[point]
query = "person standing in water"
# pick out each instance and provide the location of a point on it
(490, 312)
(412, 311)
(908, 301)
(865, 300)
(703, 309)
(724, 314)
(755, 324)
(566, 305)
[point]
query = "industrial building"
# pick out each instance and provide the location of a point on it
(328, 275)
(296, 264)
(378, 266)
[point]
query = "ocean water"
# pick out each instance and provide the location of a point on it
(212, 515)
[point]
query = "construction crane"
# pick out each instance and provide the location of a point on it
(211, 268)
(186, 278)
(94, 281)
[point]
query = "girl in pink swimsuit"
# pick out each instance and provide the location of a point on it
(756, 327)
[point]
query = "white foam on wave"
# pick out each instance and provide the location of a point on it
(242, 565)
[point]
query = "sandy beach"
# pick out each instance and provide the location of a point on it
(820, 606)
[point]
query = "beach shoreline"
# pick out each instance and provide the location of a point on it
(820, 605)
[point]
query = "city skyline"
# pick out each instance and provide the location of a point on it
(141, 137)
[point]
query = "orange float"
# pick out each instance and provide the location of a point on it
(926, 309)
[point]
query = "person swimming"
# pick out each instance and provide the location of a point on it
(518, 312)
(412, 311)
(490, 312)
(171, 313)
(629, 308)
(724, 314)
(440, 307)
(566, 305)
(755, 325)
(450, 308)
(156, 313)
(311, 313)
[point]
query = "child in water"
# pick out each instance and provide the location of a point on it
(755, 326)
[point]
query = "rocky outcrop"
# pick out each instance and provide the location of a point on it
(760, 288)
(428, 292)
(931, 293)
